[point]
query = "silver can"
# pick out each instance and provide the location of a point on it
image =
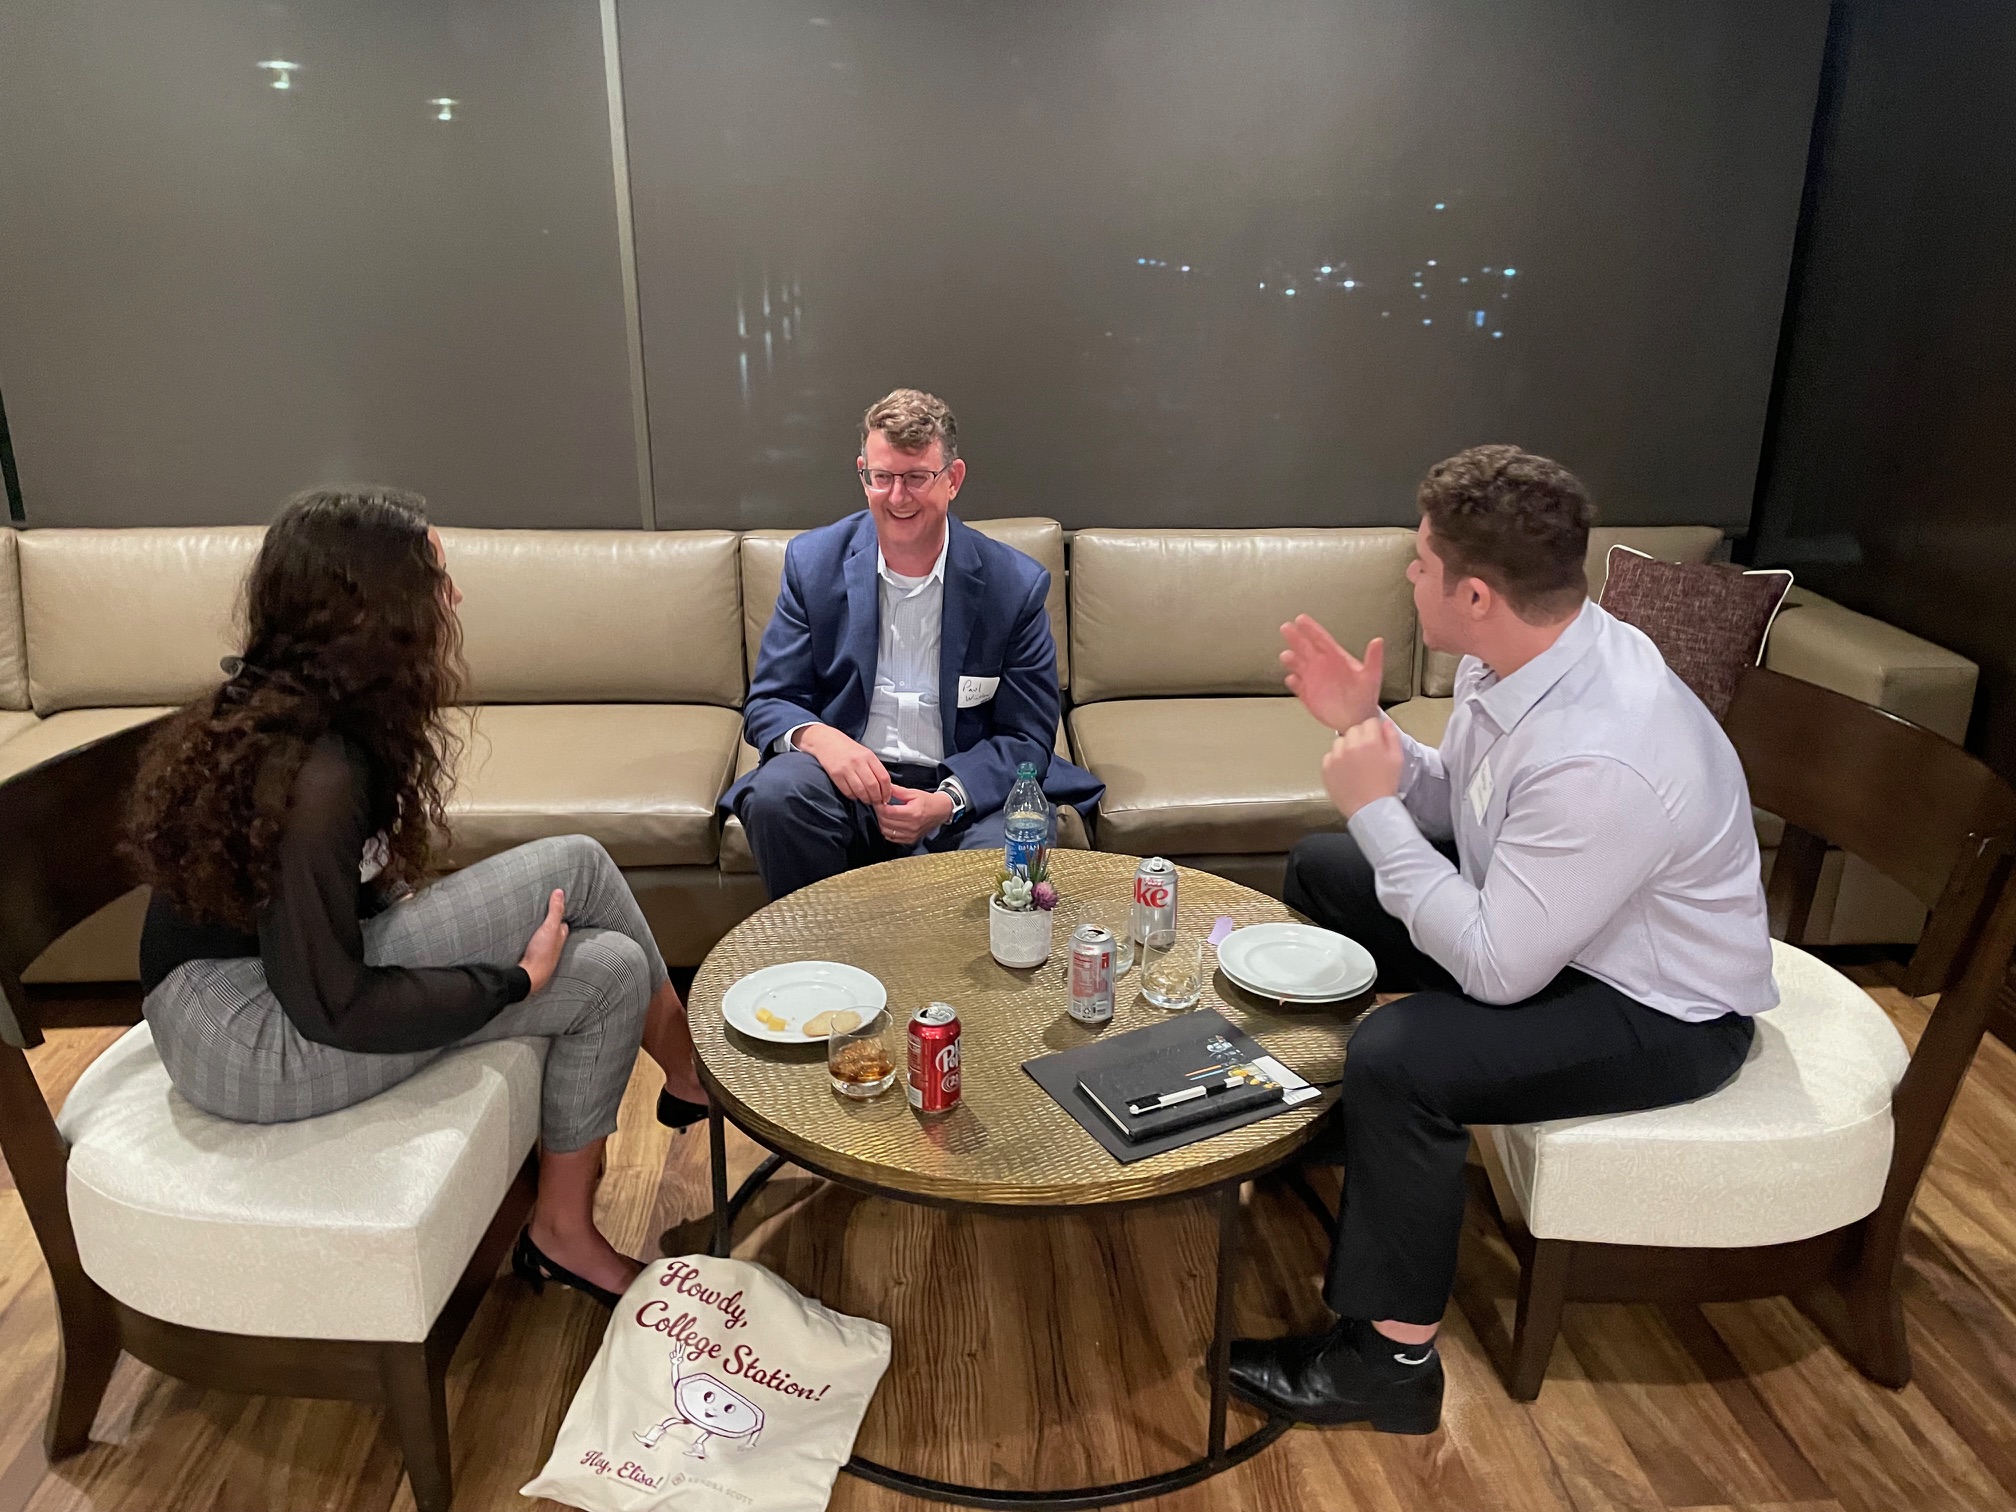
(1092, 974)
(1154, 898)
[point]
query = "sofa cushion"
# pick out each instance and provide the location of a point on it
(1193, 613)
(46, 738)
(1033, 536)
(14, 721)
(103, 948)
(1818, 641)
(1669, 543)
(1217, 776)
(1426, 719)
(641, 778)
(352, 1226)
(599, 616)
(1205, 776)
(13, 643)
(1798, 1143)
(130, 616)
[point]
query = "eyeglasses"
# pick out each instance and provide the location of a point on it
(916, 480)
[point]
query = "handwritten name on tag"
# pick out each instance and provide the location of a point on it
(1479, 791)
(974, 691)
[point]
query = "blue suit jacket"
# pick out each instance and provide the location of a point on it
(817, 662)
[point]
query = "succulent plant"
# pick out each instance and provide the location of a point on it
(1016, 892)
(1044, 896)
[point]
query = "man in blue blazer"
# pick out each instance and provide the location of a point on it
(908, 669)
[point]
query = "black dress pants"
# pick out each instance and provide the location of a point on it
(1420, 1071)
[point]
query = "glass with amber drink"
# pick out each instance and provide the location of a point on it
(861, 1062)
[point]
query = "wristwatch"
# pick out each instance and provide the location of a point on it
(951, 788)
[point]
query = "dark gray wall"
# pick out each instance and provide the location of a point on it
(213, 292)
(1000, 203)
(1888, 484)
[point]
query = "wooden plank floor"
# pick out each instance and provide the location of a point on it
(1050, 1352)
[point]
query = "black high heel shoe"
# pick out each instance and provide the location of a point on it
(532, 1266)
(677, 1113)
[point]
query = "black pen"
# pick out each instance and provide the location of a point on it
(1171, 1099)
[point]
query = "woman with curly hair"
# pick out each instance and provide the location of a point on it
(293, 961)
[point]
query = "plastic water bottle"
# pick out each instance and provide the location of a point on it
(1031, 821)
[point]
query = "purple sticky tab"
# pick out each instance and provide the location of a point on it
(1219, 930)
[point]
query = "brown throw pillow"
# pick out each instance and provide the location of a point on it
(1708, 619)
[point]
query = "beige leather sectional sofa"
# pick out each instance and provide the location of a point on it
(608, 670)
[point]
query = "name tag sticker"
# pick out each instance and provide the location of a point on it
(976, 690)
(1480, 790)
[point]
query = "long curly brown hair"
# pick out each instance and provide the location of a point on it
(349, 629)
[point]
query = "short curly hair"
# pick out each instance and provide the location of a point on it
(912, 420)
(1519, 522)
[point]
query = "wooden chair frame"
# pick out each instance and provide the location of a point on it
(1937, 821)
(60, 864)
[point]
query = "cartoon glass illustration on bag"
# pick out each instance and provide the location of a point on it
(702, 1402)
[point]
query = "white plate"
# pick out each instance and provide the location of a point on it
(1313, 999)
(797, 991)
(1296, 962)
(1294, 1000)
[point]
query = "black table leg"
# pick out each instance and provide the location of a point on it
(1221, 1326)
(717, 1159)
(1298, 1183)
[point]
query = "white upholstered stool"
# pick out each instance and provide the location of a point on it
(1798, 1143)
(356, 1225)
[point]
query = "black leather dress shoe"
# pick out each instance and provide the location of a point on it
(1348, 1374)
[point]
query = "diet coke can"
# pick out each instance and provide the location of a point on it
(1154, 898)
(1092, 955)
(934, 1059)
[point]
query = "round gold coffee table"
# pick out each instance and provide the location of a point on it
(920, 926)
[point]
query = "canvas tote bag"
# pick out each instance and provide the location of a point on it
(718, 1388)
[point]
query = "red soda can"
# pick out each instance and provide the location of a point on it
(934, 1059)
(1091, 974)
(1154, 898)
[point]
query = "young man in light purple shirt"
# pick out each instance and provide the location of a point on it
(1570, 887)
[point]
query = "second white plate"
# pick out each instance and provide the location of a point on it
(1297, 962)
(795, 991)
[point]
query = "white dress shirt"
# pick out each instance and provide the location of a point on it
(903, 706)
(1602, 820)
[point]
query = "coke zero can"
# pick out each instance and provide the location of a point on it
(1154, 898)
(1092, 956)
(934, 1059)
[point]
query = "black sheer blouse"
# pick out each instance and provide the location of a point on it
(311, 935)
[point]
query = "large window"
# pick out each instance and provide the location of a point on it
(1182, 261)
(248, 248)
(1172, 261)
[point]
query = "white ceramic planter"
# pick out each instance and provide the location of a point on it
(1018, 939)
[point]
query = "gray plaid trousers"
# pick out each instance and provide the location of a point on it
(232, 1051)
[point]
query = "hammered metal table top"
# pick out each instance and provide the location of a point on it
(920, 926)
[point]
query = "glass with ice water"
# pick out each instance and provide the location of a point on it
(1172, 969)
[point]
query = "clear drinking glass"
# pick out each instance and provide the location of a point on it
(1172, 969)
(862, 1062)
(1123, 940)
